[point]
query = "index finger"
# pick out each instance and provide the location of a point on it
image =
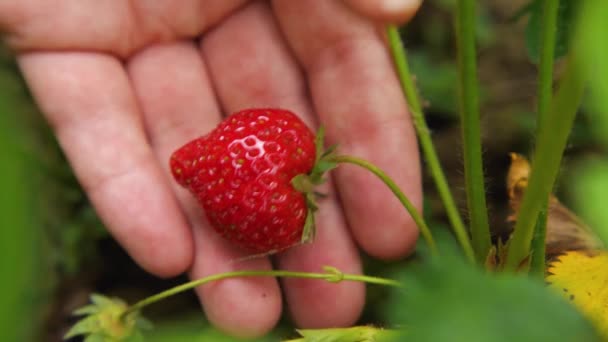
(88, 100)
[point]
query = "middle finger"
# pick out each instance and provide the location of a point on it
(251, 66)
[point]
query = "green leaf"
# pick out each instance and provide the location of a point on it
(566, 11)
(354, 334)
(447, 299)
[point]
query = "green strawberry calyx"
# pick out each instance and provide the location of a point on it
(328, 159)
(306, 183)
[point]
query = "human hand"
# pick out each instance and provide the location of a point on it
(124, 83)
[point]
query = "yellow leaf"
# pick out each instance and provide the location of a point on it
(517, 179)
(582, 277)
(565, 231)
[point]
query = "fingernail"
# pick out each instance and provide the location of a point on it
(398, 6)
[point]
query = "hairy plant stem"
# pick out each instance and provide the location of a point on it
(331, 274)
(550, 145)
(418, 219)
(471, 134)
(539, 248)
(426, 143)
(544, 94)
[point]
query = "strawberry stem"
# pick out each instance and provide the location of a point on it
(426, 143)
(544, 92)
(418, 219)
(468, 87)
(550, 144)
(331, 274)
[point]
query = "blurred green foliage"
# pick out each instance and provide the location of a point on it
(192, 328)
(20, 255)
(566, 12)
(591, 179)
(48, 229)
(437, 81)
(448, 299)
(433, 62)
(49, 234)
(593, 26)
(591, 186)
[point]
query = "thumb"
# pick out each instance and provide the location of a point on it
(395, 11)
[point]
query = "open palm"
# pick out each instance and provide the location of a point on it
(124, 83)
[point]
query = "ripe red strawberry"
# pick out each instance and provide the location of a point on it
(241, 174)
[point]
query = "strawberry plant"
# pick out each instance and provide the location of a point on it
(255, 178)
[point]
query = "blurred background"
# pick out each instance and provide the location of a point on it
(54, 251)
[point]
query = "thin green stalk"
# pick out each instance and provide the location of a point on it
(424, 229)
(545, 66)
(539, 246)
(549, 149)
(471, 131)
(331, 274)
(544, 93)
(426, 143)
